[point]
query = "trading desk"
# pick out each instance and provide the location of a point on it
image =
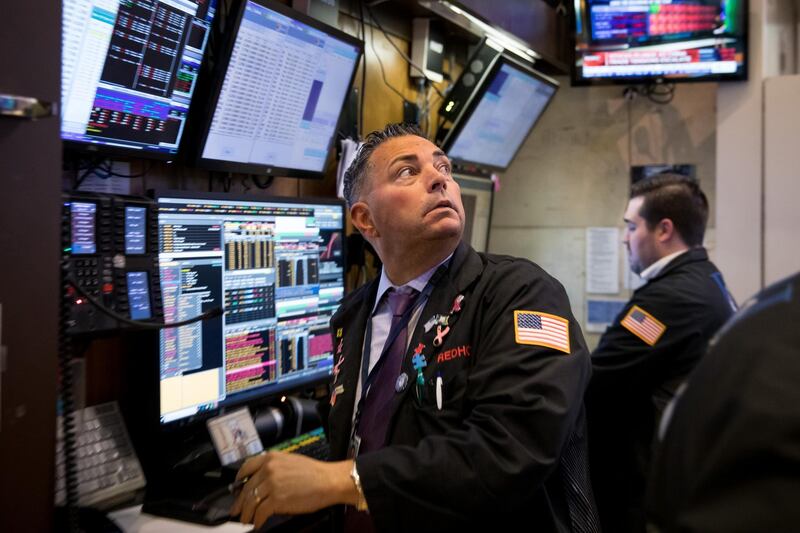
(133, 520)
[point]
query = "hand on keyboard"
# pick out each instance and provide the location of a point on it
(289, 483)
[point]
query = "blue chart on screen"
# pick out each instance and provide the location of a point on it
(281, 95)
(505, 114)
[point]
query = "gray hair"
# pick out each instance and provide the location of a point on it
(355, 175)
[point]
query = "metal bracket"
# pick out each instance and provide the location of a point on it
(26, 108)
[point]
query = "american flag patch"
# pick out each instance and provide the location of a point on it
(643, 325)
(541, 329)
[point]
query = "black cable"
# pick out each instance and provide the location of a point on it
(226, 180)
(660, 92)
(93, 168)
(142, 324)
(89, 171)
(262, 184)
(380, 63)
(363, 74)
(629, 94)
(130, 176)
(402, 54)
(68, 429)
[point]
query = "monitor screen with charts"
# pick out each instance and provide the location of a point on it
(499, 118)
(281, 90)
(277, 267)
(128, 73)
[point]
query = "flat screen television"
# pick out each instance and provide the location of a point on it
(128, 73)
(279, 91)
(277, 267)
(639, 41)
(498, 116)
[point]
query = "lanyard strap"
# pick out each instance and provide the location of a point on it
(366, 376)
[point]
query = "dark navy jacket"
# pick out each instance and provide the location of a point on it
(508, 445)
(633, 380)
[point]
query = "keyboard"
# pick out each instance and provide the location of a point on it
(107, 464)
(312, 444)
(207, 502)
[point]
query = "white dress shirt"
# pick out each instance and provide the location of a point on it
(655, 269)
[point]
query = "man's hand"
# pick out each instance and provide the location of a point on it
(287, 483)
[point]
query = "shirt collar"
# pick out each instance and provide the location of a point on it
(417, 283)
(656, 268)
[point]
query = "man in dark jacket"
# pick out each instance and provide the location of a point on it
(654, 343)
(730, 459)
(457, 389)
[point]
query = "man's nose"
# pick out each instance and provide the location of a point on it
(438, 181)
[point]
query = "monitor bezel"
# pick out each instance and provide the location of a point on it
(262, 397)
(217, 79)
(576, 80)
(91, 148)
(477, 96)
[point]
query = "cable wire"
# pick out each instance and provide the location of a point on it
(68, 415)
(363, 73)
(141, 324)
(380, 63)
(402, 54)
(659, 92)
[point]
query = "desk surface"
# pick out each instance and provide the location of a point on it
(133, 520)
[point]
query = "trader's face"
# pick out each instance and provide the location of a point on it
(410, 193)
(639, 240)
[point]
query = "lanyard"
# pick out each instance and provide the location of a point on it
(368, 377)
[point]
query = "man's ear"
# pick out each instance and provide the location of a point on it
(361, 217)
(665, 230)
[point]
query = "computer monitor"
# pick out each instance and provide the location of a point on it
(281, 87)
(640, 41)
(477, 193)
(128, 73)
(500, 115)
(277, 267)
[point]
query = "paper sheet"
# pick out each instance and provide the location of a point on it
(602, 260)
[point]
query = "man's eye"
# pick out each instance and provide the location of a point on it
(405, 171)
(445, 169)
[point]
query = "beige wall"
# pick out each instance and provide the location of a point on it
(573, 173)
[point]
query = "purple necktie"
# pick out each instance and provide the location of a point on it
(374, 418)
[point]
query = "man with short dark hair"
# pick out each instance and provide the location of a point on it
(457, 392)
(655, 341)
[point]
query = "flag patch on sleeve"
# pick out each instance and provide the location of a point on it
(541, 329)
(643, 325)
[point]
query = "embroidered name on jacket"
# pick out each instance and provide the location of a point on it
(455, 353)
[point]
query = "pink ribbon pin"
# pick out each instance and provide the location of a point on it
(440, 335)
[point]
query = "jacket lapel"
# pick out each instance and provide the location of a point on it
(353, 322)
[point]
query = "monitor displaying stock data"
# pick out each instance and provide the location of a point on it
(280, 94)
(492, 129)
(277, 267)
(128, 73)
